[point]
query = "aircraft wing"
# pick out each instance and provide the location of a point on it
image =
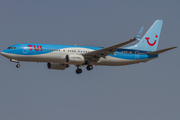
(108, 50)
(161, 51)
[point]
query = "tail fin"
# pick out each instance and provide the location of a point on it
(149, 41)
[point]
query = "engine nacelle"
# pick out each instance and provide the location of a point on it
(74, 59)
(57, 66)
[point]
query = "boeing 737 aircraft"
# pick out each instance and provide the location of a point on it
(60, 57)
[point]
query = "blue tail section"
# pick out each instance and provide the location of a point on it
(149, 41)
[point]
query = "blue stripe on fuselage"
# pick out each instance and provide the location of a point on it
(38, 49)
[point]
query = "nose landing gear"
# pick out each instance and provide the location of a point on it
(18, 65)
(16, 61)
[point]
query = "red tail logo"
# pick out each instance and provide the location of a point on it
(151, 44)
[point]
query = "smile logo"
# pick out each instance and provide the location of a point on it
(151, 44)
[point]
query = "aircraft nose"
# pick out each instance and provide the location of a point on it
(5, 53)
(2, 53)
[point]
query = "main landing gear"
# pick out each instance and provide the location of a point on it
(79, 70)
(89, 67)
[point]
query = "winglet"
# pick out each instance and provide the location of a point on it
(139, 34)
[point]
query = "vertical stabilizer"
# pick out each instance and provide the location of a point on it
(149, 41)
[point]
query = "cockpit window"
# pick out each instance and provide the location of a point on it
(11, 48)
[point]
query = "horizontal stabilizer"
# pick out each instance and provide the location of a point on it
(161, 51)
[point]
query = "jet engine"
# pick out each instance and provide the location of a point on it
(74, 59)
(57, 66)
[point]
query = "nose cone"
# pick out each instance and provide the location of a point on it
(4, 53)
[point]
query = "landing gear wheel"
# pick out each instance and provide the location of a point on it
(78, 71)
(18, 65)
(89, 67)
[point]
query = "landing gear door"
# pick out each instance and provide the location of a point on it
(25, 49)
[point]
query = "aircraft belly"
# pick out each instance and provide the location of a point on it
(112, 61)
(49, 57)
(15, 56)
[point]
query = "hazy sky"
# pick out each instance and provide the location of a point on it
(144, 91)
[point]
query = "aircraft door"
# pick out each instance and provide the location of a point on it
(74, 51)
(25, 49)
(78, 51)
(136, 55)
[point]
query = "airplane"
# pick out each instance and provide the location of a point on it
(60, 57)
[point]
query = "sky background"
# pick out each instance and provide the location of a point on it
(144, 91)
